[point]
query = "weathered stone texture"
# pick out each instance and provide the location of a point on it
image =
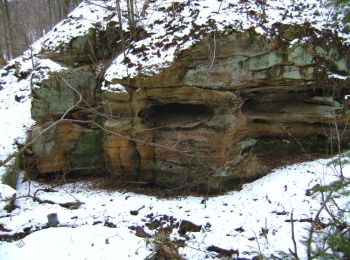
(195, 122)
(62, 91)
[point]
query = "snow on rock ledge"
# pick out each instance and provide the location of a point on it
(176, 26)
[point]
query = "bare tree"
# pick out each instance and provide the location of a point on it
(64, 8)
(131, 15)
(8, 33)
(2, 60)
(24, 21)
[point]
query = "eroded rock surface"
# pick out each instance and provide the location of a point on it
(196, 123)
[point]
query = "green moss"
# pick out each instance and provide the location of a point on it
(225, 171)
(320, 51)
(81, 44)
(194, 178)
(10, 205)
(300, 56)
(10, 178)
(334, 59)
(88, 151)
(81, 49)
(11, 175)
(292, 72)
(264, 61)
(106, 40)
(50, 99)
(290, 32)
(170, 180)
(46, 143)
(55, 95)
(342, 65)
(166, 177)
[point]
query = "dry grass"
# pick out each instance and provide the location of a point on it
(252, 167)
(164, 248)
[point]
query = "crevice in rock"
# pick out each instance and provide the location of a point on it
(176, 115)
(279, 151)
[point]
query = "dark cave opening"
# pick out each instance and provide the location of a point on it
(176, 115)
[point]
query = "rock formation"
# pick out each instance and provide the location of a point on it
(198, 122)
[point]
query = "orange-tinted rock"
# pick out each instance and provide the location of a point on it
(67, 147)
(195, 123)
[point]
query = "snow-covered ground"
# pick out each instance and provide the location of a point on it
(105, 226)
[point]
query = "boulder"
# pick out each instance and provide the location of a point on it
(62, 91)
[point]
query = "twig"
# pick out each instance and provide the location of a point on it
(295, 252)
(314, 224)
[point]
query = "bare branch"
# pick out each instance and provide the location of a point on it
(295, 252)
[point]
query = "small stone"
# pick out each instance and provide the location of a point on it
(188, 226)
(52, 219)
(239, 229)
(134, 212)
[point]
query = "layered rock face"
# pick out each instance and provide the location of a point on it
(196, 123)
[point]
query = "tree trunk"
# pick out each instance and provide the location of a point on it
(2, 59)
(65, 8)
(131, 15)
(9, 42)
(50, 12)
(23, 21)
(119, 14)
(144, 8)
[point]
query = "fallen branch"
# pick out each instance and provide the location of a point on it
(222, 251)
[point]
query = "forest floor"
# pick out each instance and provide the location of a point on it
(100, 223)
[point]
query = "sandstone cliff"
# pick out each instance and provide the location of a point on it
(189, 103)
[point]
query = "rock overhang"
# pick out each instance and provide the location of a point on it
(195, 122)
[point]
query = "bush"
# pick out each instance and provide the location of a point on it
(331, 240)
(252, 168)
(163, 247)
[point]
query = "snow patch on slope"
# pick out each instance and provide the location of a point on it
(15, 99)
(175, 27)
(86, 16)
(232, 221)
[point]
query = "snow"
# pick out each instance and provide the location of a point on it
(15, 114)
(113, 87)
(78, 23)
(173, 26)
(337, 76)
(101, 227)
(149, 56)
(73, 243)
